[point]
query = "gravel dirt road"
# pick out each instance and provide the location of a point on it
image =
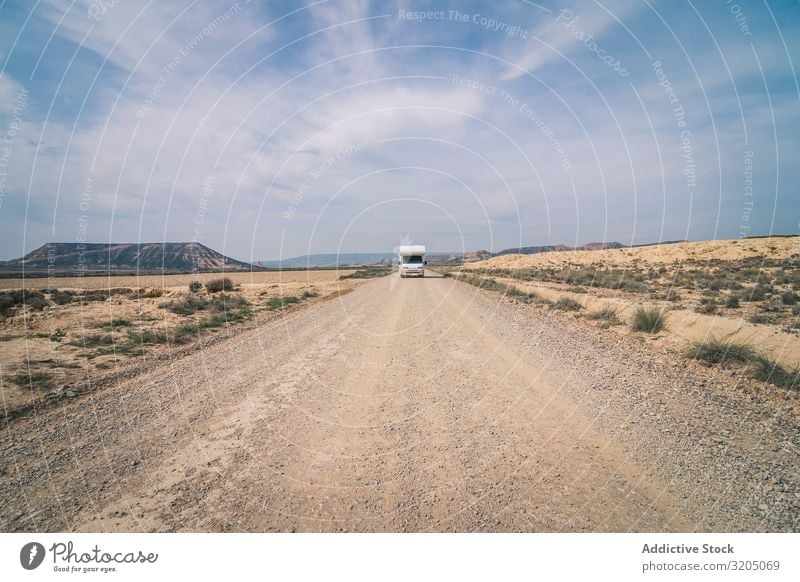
(409, 405)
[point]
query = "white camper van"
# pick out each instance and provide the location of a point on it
(411, 260)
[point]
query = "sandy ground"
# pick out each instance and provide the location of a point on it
(719, 250)
(26, 339)
(413, 405)
(683, 327)
(780, 341)
(256, 278)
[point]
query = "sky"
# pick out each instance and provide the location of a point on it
(275, 129)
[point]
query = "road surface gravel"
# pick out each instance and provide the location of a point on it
(408, 405)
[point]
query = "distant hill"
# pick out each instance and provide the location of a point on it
(330, 260)
(71, 258)
(734, 251)
(601, 246)
(532, 250)
(333, 260)
(666, 242)
(592, 246)
(476, 256)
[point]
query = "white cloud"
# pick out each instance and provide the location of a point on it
(552, 36)
(12, 94)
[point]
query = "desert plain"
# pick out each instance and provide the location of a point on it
(646, 389)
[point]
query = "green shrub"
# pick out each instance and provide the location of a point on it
(94, 296)
(217, 285)
(606, 316)
(184, 333)
(707, 307)
(761, 319)
(224, 309)
(57, 335)
(61, 297)
(275, 303)
(759, 366)
(717, 284)
(732, 301)
(308, 294)
(671, 295)
(789, 298)
(567, 304)
(534, 297)
(147, 336)
(187, 305)
(37, 302)
(648, 319)
(622, 279)
(94, 340)
(715, 351)
(10, 298)
(491, 284)
(578, 276)
(16, 297)
(35, 379)
(227, 302)
(195, 286)
(513, 291)
(792, 327)
(768, 370)
(757, 293)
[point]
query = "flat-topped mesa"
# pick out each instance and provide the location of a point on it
(74, 258)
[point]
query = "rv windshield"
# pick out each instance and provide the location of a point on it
(413, 259)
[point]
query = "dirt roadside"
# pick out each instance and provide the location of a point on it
(413, 405)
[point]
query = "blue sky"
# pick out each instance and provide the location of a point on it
(270, 129)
